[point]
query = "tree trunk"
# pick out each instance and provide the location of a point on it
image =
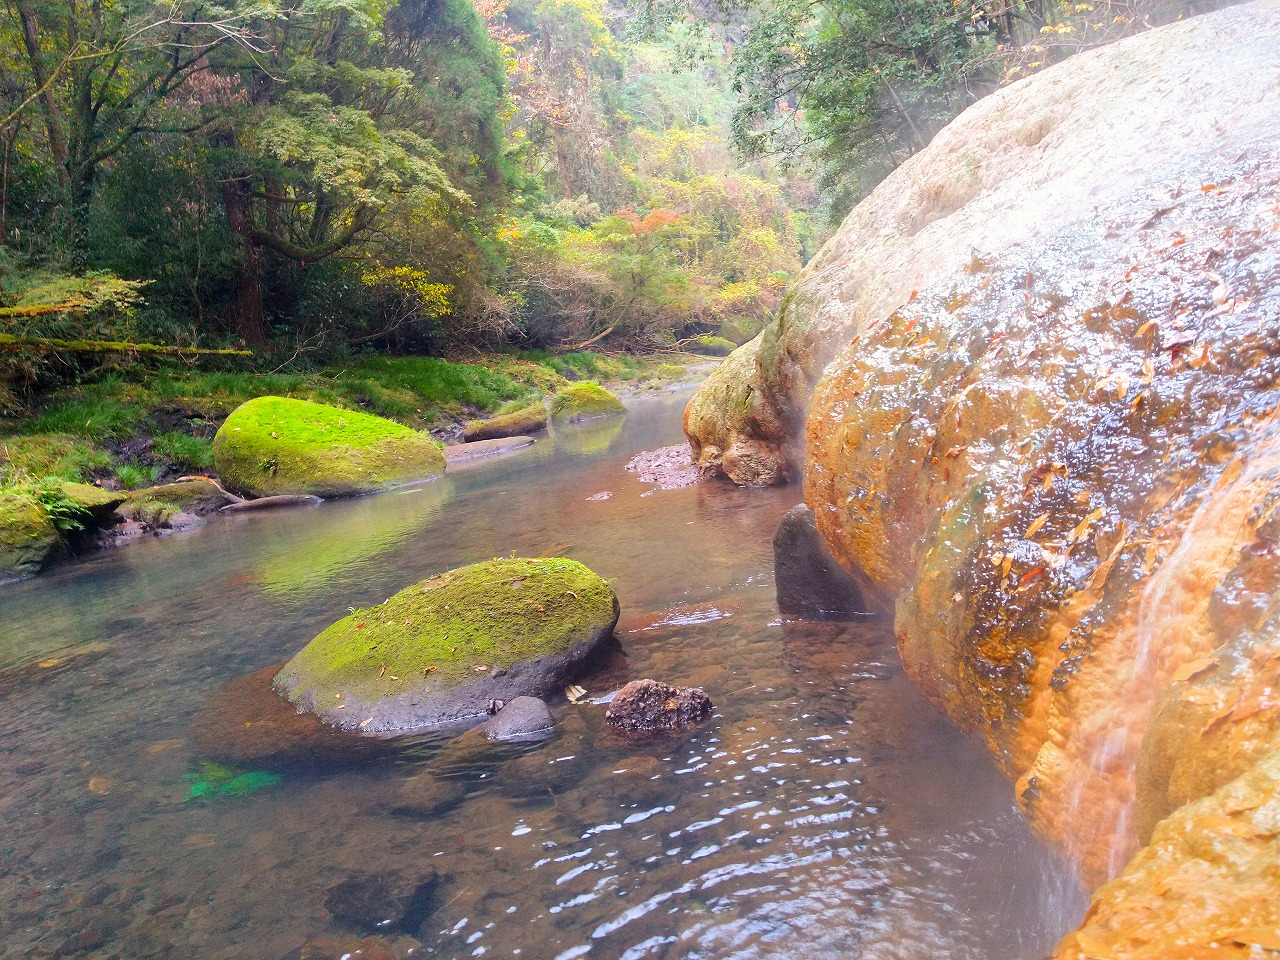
(52, 118)
(246, 309)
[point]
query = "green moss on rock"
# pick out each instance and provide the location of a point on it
(521, 422)
(27, 536)
(97, 504)
(440, 650)
(714, 346)
(197, 497)
(277, 445)
(584, 401)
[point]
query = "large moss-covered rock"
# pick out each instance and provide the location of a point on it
(441, 650)
(584, 401)
(278, 445)
(27, 536)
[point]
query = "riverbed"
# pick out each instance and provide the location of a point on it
(825, 811)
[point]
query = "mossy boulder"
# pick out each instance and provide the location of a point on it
(713, 346)
(277, 445)
(96, 505)
(197, 497)
(27, 536)
(520, 422)
(441, 650)
(584, 401)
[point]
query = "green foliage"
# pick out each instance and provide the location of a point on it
(132, 476)
(65, 513)
(184, 449)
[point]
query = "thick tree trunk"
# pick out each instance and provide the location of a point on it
(52, 117)
(246, 309)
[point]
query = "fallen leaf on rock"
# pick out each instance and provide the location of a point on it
(1195, 669)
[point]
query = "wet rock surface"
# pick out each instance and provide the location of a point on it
(670, 468)
(647, 706)
(522, 717)
(810, 584)
(1045, 420)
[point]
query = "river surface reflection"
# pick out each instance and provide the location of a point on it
(825, 811)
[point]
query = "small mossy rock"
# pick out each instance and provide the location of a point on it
(196, 497)
(97, 504)
(584, 401)
(647, 706)
(516, 424)
(277, 445)
(522, 717)
(440, 650)
(27, 536)
(714, 346)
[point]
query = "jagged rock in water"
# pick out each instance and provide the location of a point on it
(645, 706)
(810, 584)
(444, 649)
(1048, 427)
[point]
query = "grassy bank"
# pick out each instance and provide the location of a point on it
(144, 423)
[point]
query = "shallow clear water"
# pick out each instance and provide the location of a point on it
(825, 811)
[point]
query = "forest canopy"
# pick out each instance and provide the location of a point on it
(328, 175)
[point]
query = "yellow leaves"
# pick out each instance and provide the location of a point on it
(1081, 529)
(1195, 669)
(432, 298)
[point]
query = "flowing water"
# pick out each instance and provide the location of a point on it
(825, 810)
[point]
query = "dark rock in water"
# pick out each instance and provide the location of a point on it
(390, 901)
(543, 773)
(811, 585)
(643, 706)
(357, 948)
(426, 796)
(522, 717)
(245, 722)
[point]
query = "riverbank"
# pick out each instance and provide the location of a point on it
(133, 429)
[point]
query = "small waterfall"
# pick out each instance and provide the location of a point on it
(1171, 626)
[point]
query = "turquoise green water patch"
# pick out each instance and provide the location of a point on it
(216, 782)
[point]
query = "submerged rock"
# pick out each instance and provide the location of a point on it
(810, 584)
(277, 445)
(426, 795)
(584, 401)
(384, 902)
(244, 722)
(522, 717)
(646, 706)
(528, 420)
(441, 650)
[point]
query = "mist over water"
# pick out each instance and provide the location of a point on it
(825, 811)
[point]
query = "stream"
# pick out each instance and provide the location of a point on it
(825, 811)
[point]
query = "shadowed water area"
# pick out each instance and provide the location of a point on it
(824, 811)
